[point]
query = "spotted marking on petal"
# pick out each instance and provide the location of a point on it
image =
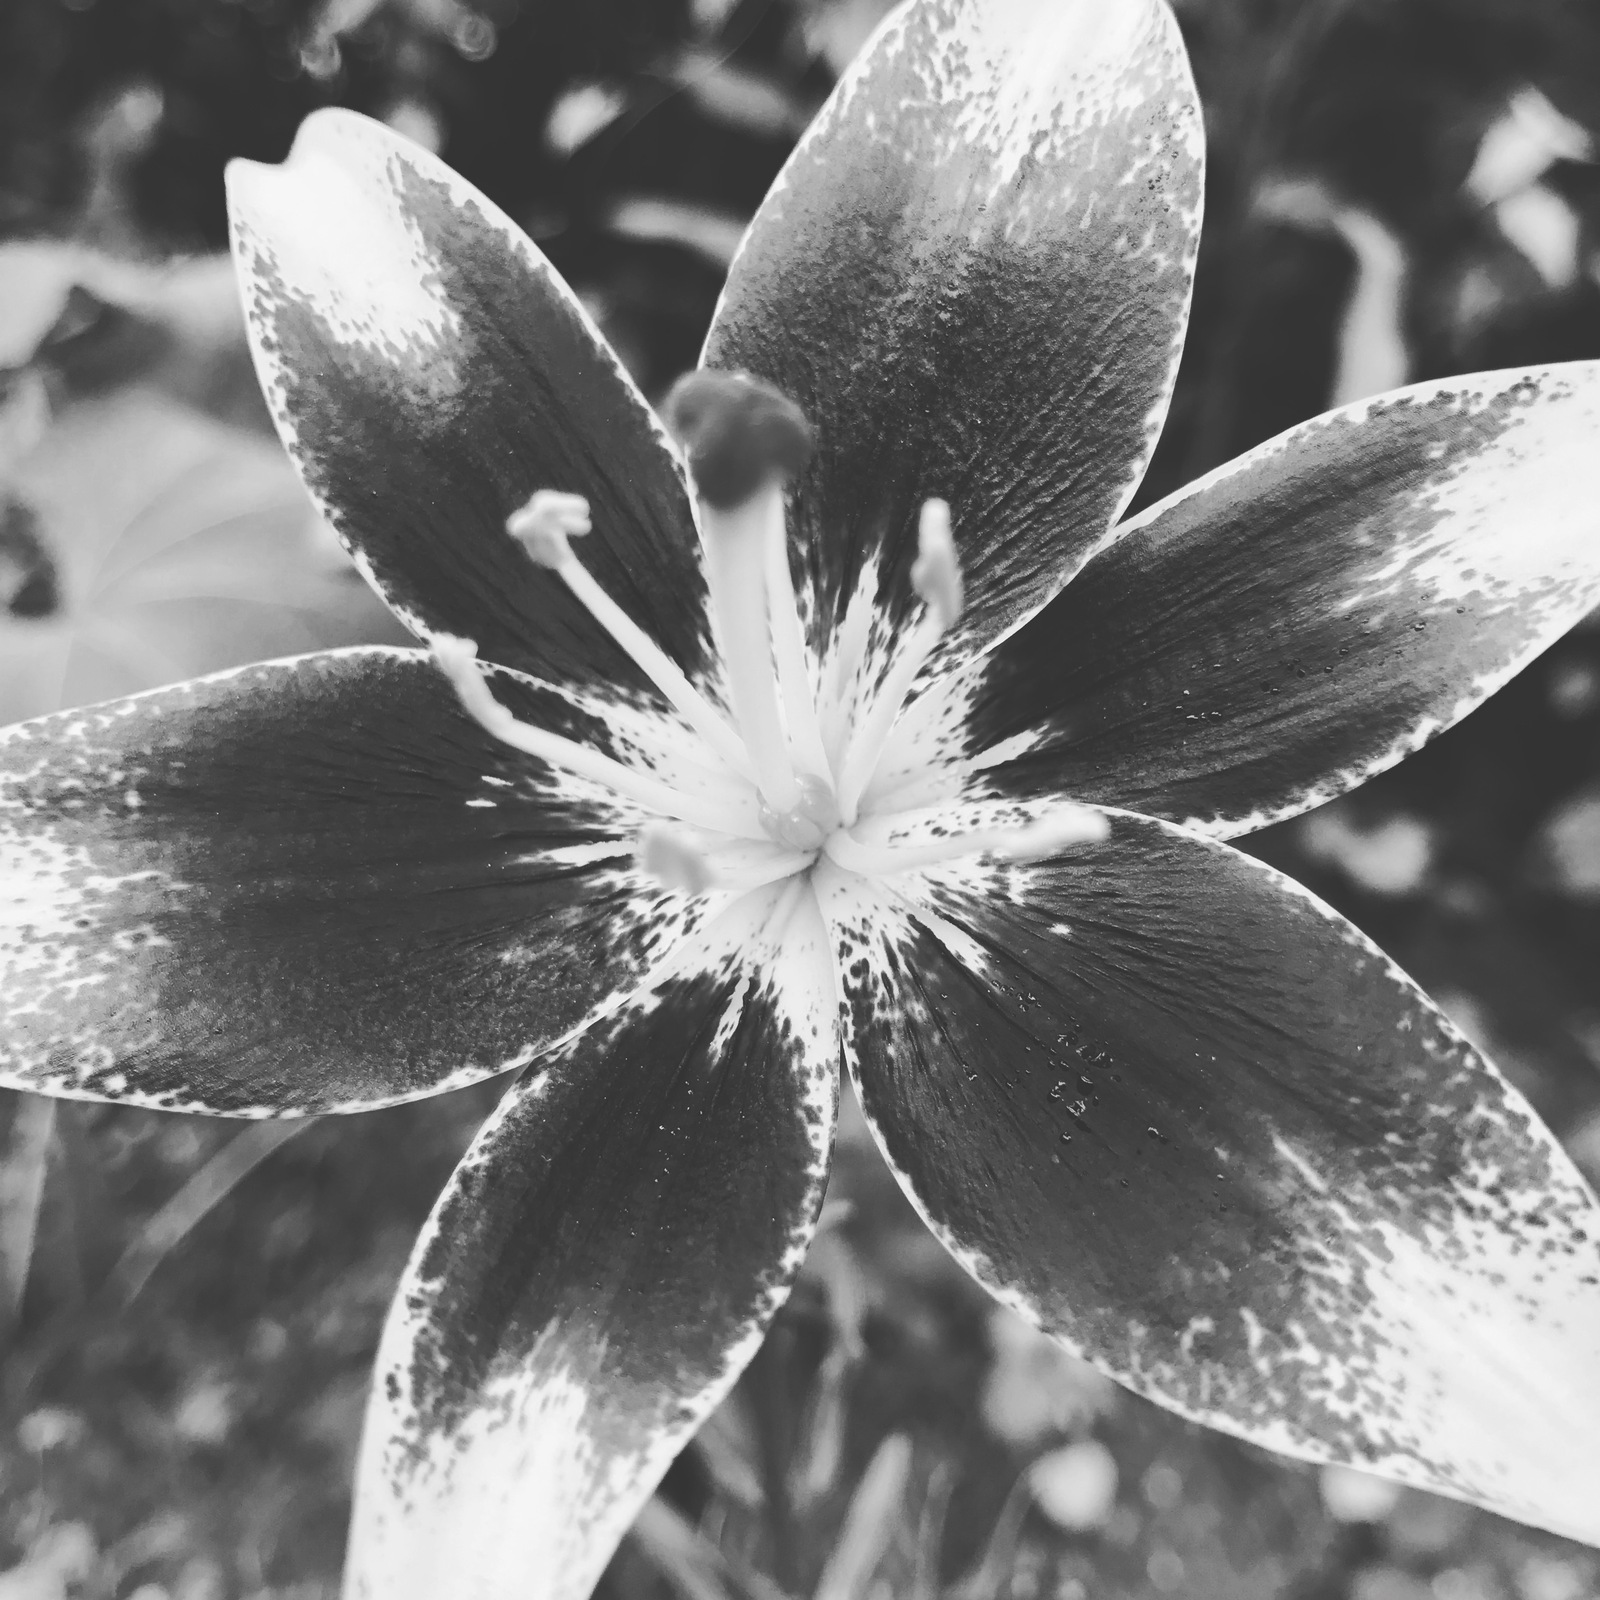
(428, 370)
(601, 1268)
(631, 729)
(1180, 1113)
(973, 274)
(1306, 616)
(311, 885)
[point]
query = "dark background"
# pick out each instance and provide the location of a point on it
(1398, 189)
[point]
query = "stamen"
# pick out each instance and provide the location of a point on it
(673, 861)
(844, 686)
(679, 859)
(936, 577)
(543, 526)
(1059, 830)
(743, 439)
(458, 660)
(789, 647)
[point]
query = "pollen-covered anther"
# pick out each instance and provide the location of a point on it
(673, 859)
(545, 524)
(1059, 829)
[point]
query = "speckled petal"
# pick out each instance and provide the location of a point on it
(428, 370)
(1276, 633)
(974, 276)
(1164, 1102)
(309, 885)
(601, 1269)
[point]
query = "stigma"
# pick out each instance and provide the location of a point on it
(810, 758)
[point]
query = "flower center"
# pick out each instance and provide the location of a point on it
(793, 772)
(807, 824)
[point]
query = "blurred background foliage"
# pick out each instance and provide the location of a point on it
(1399, 189)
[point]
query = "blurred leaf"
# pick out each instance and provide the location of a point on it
(580, 113)
(837, 29)
(875, 1518)
(201, 1195)
(731, 1455)
(30, 1123)
(1391, 857)
(1519, 147)
(1372, 353)
(988, 1575)
(60, 1559)
(24, 415)
(1567, 852)
(751, 102)
(178, 547)
(656, 220)
(1075, 1486)
(678, 1552)
(1035, 1389)
(1545, 229)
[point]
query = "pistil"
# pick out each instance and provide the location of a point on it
(744, 440)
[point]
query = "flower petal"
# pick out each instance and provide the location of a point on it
(310, 885)
(428, 370)
(1164, 1102)
(1276, 633)
(974, 276)
(600, 1270)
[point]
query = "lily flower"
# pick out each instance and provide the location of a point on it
(855, 728)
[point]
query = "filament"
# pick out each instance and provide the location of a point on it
(457, 659)
(543, 526)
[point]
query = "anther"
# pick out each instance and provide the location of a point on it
(673, 860)
(1067, 825)
(547, 522)
(739, 434)
(1058, 830)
